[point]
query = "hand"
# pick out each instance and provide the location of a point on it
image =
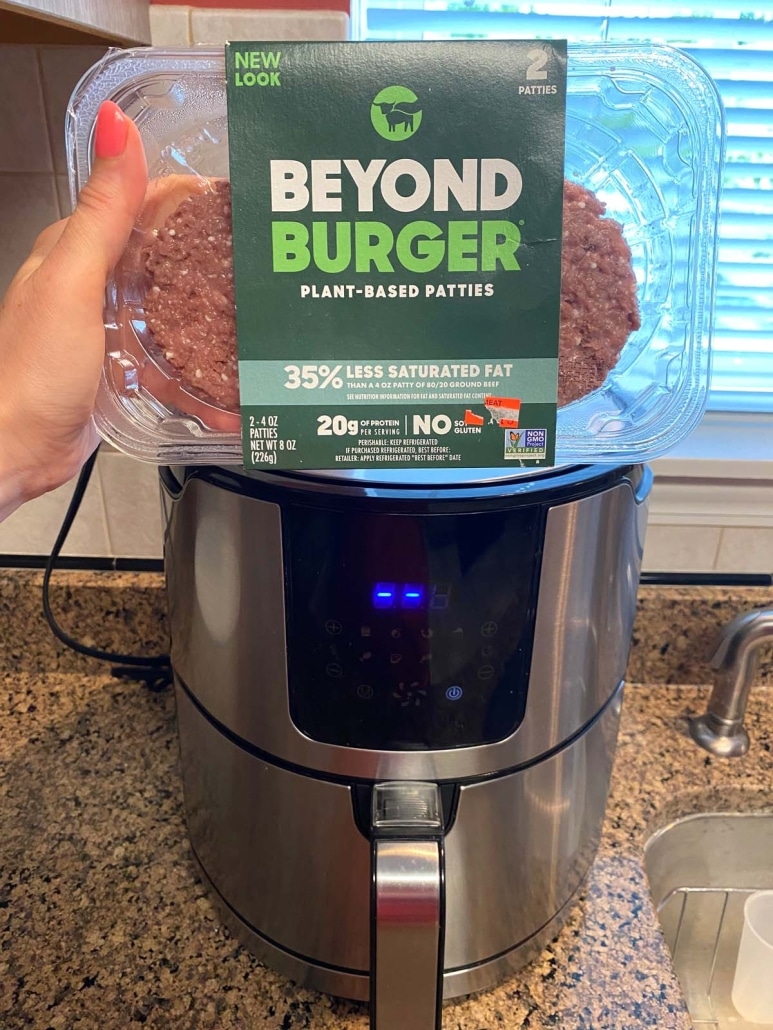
(52, 336)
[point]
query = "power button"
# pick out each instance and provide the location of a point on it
(454, 693)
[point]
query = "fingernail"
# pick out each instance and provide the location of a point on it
(111, 132)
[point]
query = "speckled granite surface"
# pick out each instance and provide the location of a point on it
(672, 640)
(104, 924)
(676, 628)
(113, 611)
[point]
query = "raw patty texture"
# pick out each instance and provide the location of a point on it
(189, 306)
(598, 295)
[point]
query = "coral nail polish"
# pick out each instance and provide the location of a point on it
(111, 131)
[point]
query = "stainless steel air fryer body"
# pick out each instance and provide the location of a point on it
(398, 707)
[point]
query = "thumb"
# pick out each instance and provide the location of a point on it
(108, 205)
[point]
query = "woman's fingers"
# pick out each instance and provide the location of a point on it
(98, 230)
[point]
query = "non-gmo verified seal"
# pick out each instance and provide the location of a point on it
(525, 443)
(396, 113)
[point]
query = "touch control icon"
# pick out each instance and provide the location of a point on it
(454, 693)
(489, 629)
(365, 691)
(409, 694)
(334, 670)
(333, 627)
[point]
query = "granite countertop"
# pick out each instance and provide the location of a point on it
(104, 923)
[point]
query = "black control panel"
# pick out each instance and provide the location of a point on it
(410, 632)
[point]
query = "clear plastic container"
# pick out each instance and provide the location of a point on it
(752, 983)
(644, 133)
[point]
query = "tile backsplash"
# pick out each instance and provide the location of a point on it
(120, 515)
(33, 179)
(25, 148)
(180, 24)
(121, 512)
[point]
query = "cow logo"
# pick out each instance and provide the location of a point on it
(395, 113)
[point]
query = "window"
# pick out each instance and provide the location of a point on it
(735, 46)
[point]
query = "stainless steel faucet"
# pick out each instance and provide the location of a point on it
(736, 657)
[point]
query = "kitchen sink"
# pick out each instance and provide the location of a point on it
(701, 869)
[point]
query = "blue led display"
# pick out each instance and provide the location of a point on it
(410, 595)
(384, 595)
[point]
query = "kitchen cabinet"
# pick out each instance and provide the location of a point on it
(75, 21)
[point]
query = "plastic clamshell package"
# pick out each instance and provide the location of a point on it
(644, 132)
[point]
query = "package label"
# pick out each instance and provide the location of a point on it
(397, 247)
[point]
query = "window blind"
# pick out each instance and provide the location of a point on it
(735, 46)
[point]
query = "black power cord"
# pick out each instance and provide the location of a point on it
(155, 672)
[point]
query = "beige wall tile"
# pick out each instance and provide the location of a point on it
(28, 203)
(133, 505)
(745, 550)
(217, 26)
(680, 548)
(698, 501)
(24, 145)
(34, 527)
(170, 26)
(62, 67)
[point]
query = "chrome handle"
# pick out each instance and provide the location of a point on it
(406, 970)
